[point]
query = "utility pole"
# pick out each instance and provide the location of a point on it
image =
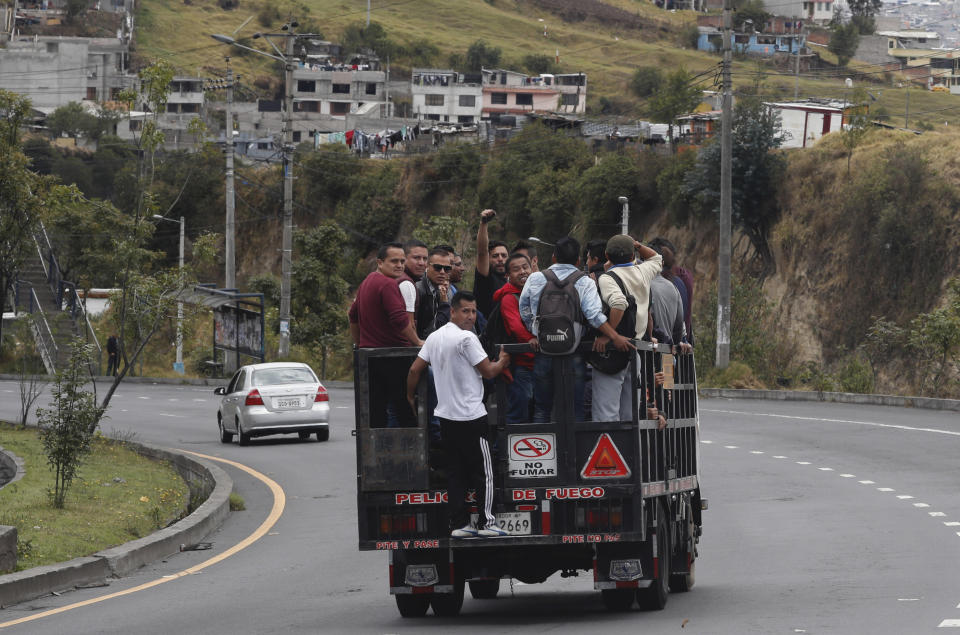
(230, 278)
(624, 214)
(796, 78)
(287, 257)
(368, 12)
(906, 115)
(178, 366)
(726, 201)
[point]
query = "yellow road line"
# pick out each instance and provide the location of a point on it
(279, 501)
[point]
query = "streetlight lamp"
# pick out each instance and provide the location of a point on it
(534, 239)
(288, 60)
(178, 365)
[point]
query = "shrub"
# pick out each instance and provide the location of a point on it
(855, 375)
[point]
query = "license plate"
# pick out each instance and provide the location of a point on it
(516, 523)
(289, 402)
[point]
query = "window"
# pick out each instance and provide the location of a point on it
(341, 89)
(263, 145)
(465, 119)
(297, 135)
(433, 117)
(339, 107)
(741, 39)
(173, 108)
(889, 44)
(434, 100)
(766, 39)
(135, 125)
(92, 93)
(569, 100)
(468, 101)
(524, 99)
(306, 86)
(371, 88)
(52, 47)
(446, 118)
(306, 106)
(498, 98)
(190, 108)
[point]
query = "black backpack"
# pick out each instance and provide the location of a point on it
(559, 316)
(495, 331)
(611, 360)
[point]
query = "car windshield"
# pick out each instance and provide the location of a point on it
(278, 376)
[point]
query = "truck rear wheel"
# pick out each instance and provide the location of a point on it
(681, 582)
(617, 599)
(484, 589)
(448, 604)
(412, 605)
(654, 597)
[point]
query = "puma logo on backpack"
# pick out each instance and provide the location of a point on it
(559, 317)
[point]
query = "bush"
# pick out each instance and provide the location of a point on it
(855, 375)
(646, 80)
(689, 36)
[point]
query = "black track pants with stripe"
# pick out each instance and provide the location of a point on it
(470, 466)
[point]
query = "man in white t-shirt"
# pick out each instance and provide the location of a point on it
(459, 366)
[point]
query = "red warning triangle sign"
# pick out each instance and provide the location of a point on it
(605, 461)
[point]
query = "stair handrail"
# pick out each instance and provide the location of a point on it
(76, 303)
(49, 357)
(54, 275)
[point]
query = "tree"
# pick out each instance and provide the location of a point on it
(677, 95)
(481, 55)
(844, 42)
(757, 172)
(320, 291)
(358, 36)
(751, 15)
(857, 124)
(67, 428)
(646, 81)
(539, 64)
(863, 14)
(72, 120)
(75, 9)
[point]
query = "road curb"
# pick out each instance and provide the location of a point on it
(927, 403)
(202, 476)
(178, 381)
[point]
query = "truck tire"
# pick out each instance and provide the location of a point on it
(412, 605)
(654, 597)
(484, 589)
(617, 599)
(448, 604)
(683, 581)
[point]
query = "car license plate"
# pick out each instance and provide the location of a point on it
(289, 402)
(515, 523)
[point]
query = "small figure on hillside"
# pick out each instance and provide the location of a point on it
(113, 355)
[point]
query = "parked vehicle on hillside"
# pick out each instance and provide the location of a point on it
(273, 398)
(618, 499)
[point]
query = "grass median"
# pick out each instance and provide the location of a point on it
(117, 496)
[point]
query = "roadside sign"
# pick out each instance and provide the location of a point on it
(605, 461)
(532, 456)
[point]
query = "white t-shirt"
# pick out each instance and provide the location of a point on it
(454, 353)
(409, 293)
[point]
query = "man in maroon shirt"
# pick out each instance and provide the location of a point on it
(378, 318)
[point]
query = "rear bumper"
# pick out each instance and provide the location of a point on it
(258, 420)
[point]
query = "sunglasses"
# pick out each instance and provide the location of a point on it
(447, 268)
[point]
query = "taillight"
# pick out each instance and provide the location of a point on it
(321, 395)
(253, 398)
(402, 523)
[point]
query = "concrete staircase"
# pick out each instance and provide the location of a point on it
(62, 327)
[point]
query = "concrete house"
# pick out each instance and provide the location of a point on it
(446, 95)
(508, 92)
(804, 122)
(339, 88)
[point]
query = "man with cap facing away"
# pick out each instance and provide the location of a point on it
(612, 393)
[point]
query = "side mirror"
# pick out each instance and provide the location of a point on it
(220, 390)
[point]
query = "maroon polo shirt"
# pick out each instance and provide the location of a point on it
(379, 312)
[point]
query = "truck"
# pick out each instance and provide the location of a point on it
(617, 500)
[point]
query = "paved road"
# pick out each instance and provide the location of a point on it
(823, 518)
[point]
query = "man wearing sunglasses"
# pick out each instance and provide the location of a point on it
(433, 293)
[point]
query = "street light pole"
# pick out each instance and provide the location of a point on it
(624, 215)
(287, 255)
(726, 199)
(230, 278)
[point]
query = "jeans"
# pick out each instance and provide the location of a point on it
(544, 369)
(519, 395)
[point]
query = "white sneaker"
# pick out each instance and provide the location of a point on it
(493, 531)
(466, 531)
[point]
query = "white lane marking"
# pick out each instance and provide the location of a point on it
(163, 414)
(936, 513)
(342, 407)
(123, 410)
(731, 447)
(7, 390)
(949, 624)
(958, 533)
(904, 497)
(173, 399)
(825, 469)
(920, 505)
(755, 452)
(201, 400)
(866, 482)
(705, 441)
(885, 489)
(861, 423)
(803, 462)
(951, 523)
(848, 476)
(908, 599)
(143, 397)
(779, 456)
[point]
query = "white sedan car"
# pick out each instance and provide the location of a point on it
(273, 398)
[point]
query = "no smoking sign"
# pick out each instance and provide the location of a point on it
(532, 456)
